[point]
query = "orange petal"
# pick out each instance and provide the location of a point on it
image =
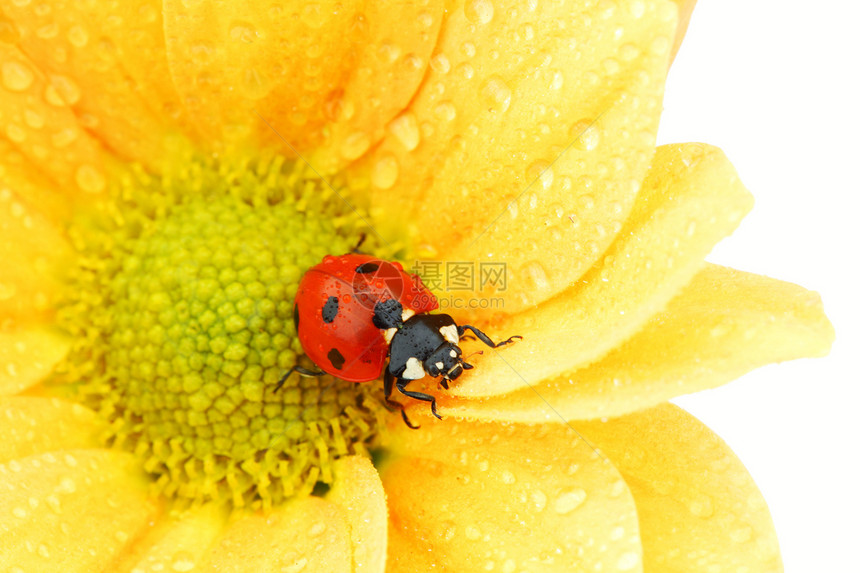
(527, 141)
(40, 126)
(505, 497)
(723, 324)
(324, 75)
(36, 425)
(308, 535)
(33, 255)
(357, 490)
(27, 355)
(691, 199)
(180, 542)
(106, 62)
(70, 511)
(699, 509)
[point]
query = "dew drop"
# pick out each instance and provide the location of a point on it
(627, 561)
(568, 501)
(182, 561)
(479, 11)
(244, 32)
(586, 135)
(19, 512)
(701, 506)
(64, 137)
(440, 64)
(17, 77)
(16, 133)
(296, 567)
(67, 89)
(90, 179)
(385, 172)
(446, 111)
(539, 499)
(557, 81)
(472, 533)
(535, 272)
(33, 119)
(255, 84)
(508, 478)
(7, 291)
(313, 16)
(496, 94)
(355, 145)
(542, 172)
(405, 129)
(741, 535)
(78, 36)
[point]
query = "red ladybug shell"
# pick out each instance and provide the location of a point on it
(334, 312)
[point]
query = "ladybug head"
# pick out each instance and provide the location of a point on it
(446, 361)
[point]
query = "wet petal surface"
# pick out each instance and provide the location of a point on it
(32, 426)
(691, 199)
(70, 511)
(505, 497)
(699, 509)
(723, 324)
(527, 141)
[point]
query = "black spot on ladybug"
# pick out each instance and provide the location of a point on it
(296, 316)
(329, 311)
(336, 358)
(366, 268)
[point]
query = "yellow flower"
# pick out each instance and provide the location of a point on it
(167, 173)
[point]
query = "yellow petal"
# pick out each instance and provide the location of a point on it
(527, 141)
(93, 54)
(357, 490)
(324, 75)
(723, 324)
(699, 509)
(685, 10)
(36, 425)
(70, 511)
(179, 542)
(308, 535)
(33, 254)
(42, 128)
(691, 199)
(505, 497)
(27, 355)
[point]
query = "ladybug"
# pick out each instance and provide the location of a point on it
(354, 311)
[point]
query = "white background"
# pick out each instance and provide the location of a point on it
(775, 85)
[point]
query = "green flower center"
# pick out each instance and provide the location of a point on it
(182, 317)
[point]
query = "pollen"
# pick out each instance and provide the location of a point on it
(181, 306)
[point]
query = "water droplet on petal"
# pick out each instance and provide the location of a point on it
(539, 499)
(244, 32)
(568, 501)
(78, 36)
(385, 172)
(440, 64)
(90, 179)
(313, 16)
(628, 561)
(536, 273)
(405, 129)
(17, 77)
(586, 134)
(479, 11)
(67, 89)
(182, 561)
(472, 532)
(355, 145)
(445, 110)
(540, 171)
(496, 95)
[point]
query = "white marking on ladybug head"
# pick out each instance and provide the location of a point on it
(414, 370)
(407, 314)
(453, 354)
(388, 335)
(449, 333)
(440, 366)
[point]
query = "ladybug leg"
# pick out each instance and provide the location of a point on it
(388, 387)
(401, 386)
(483, 337)
(301, 370)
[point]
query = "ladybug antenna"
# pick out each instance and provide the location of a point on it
(469, 356)
(361, 239)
